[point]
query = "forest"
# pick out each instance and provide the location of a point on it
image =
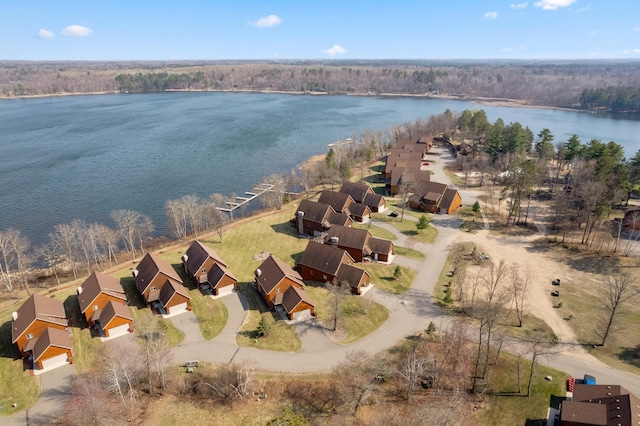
(602, 86)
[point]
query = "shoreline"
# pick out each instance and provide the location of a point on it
(500, 102)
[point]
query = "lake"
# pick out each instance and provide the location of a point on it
(83, 156)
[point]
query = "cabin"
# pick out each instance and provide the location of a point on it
(94, 293)
(31, 320)
(297, 304)
(313, 218)
(221, 281)
(174, 298)
(326, 263)
(53, 348)
(113, 320)
(631, 220)
(282, 289)
(207, 269)
(360, 212)
(152, 275)
(339, 201)
(435, 197)
(600, 405)
(360, 244)
(273, 278)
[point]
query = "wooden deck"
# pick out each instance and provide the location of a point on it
(249, 196)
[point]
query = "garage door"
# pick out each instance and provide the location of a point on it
(302, 315)
(54, 361)
(182, 307)
(120, 330)
(227, 289)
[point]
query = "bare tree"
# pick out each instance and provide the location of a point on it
(50, 254)
(411, 369)
(619, 290)
(120, 363)
(156, 352)
(520, 283)
(90, 404)
(6, 251)
(214, 217)
(64, 236)
(131, 226)
(177, 217)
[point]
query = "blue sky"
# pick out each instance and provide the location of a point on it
(299, 29)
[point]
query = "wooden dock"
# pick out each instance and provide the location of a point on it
(247, 198)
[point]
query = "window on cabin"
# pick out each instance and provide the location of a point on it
(277, 291)
(153, 288)
(324, 277)
(204, 271)
(29, 336)
(95, 307)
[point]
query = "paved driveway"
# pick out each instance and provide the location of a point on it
(56, 390)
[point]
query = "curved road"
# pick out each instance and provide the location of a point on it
(409, 313)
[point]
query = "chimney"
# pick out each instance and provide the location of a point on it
(334, 240)
(134, 273)
(258, 272)
(79, 290)
(14, 315)
(185, 257)
(300, 213)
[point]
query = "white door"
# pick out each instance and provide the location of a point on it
(182, 307)
(302, 315)
(227, 289)
(120, 330)
(54, 361)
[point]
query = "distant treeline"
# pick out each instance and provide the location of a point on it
(613, 99)
(568, 84)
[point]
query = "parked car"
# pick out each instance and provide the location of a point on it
(555, 293)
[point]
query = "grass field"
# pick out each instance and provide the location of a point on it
(502, 404)
(408, 252)
(376, 231)
(382, 277)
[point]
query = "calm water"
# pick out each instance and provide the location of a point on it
(82, 157)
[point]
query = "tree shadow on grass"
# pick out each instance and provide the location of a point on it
(630, 356)
(286, 228)
(131, 291)
(7, 348)
(72, 310)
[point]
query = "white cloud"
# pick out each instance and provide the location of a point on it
(491, 15)
(267, 21)
(553, 4)
(335, 50)
(45, 33)
(519, 5)
(627, 52)
(77, 31)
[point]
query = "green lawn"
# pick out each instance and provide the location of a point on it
(408, 228)
(382, 277)
(282, 337)
(587, 319)
(376, 231)
(408, 252)
(502, 406)
(211, 313)
(359, 314)
(16, 385)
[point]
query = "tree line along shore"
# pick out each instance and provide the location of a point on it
(585, 85)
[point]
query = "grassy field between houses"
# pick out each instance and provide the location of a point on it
(382, 277)
(408, 252)
(17, 386)
(502, 403)
(376, 231)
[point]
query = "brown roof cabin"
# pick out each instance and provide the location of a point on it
(35, 315)
(363, 194)
(114, 319)
(360, 212)
(326, 263)
(273, 278)
(360, 244)
(600, 405)
(207, 269)
(321, 262)
(96, 291)
(336, 218)
(297, 304)
(53, 347)
(221, 280)
(315, 218)
(152, 274)
(174, 298)
(435, 197)
(339, 201)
